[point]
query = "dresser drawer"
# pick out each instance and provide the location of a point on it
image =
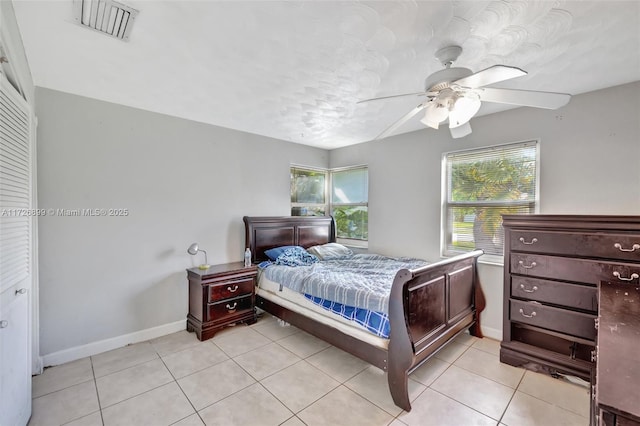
(222, 310)
(568, 322)
(232, 288)
(608, 246)
(558, 293)
(576, 270)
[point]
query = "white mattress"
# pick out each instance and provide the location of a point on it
(296, 302)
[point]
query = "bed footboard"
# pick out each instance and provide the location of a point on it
(427, 308)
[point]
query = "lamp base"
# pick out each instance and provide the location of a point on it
(204, 266)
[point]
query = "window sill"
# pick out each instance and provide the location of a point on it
(485, 259)
(494, 262)
(353, 243)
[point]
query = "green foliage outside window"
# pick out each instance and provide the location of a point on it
(352, 222)
(482, 188)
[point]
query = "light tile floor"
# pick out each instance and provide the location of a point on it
(268, 374)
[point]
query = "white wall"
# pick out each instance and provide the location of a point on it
(589, 164)
(182, 182)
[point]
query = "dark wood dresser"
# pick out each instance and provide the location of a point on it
(617, 385)
(552, 267)
(220, 296)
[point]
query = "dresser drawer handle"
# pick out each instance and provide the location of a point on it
(633, 248)
(521, 263)
(232, 290)
(533, 314)
(526, 290)
(631, 278)
(231, 308)
(533, 241)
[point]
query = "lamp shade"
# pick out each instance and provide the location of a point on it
(435, 113)
(464, 108)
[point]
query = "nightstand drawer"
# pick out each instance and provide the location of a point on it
(232, 288)
(572, 269)
(624, 246)
(220, 296)
(229, 308)
(564, 321)
(555, 292)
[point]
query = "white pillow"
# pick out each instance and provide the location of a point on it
(330, 251)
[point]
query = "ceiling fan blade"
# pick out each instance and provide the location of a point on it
(489, 76)
(401, 121)
(393, 96)
(460, 131)
(530, 98)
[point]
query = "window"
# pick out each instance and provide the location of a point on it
(342, 193)
(350, 203)
(480, 185)
(308, 192)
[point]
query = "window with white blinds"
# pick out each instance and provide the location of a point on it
(15, 189)
(480, 186)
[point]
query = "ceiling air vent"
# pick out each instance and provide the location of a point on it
(107, 16)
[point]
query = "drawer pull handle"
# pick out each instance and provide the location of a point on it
(21, 291)
(533, 241)
(533, 314)
(631, 278)
(633, 248)
(234, 289)
(521, 263)
(526, 290)
(231, 308)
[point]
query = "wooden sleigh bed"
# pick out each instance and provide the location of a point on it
(428, 306)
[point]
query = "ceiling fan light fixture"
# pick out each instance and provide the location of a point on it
(435, 113)
(461, 131)
(464, 108)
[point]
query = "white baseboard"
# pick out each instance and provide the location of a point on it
(94, 348)
(492, 333)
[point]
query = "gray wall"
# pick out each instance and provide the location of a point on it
(103, 277)
(589, 164)
(182, 182)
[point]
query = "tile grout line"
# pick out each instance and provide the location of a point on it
(511, 399)
(181, 390)
(465, 405)
(95, 383)
(425, 386)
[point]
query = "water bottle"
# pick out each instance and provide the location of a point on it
(247, 257)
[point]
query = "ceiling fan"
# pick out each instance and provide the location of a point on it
(456, 94)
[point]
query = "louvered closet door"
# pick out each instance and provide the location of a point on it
(16, 252)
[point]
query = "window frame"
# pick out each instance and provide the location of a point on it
(445, 232)
(329, 203)
(353, 242)
(326, 204)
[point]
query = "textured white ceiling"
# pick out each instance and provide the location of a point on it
(294, 70)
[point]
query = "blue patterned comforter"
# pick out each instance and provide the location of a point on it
(362, 280)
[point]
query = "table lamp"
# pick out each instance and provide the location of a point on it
(193, 250)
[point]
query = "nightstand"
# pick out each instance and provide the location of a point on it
(220, 296)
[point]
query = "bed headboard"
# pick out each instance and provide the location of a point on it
(265, 232)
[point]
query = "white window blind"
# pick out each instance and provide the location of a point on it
(15, 189)
(481, 185)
